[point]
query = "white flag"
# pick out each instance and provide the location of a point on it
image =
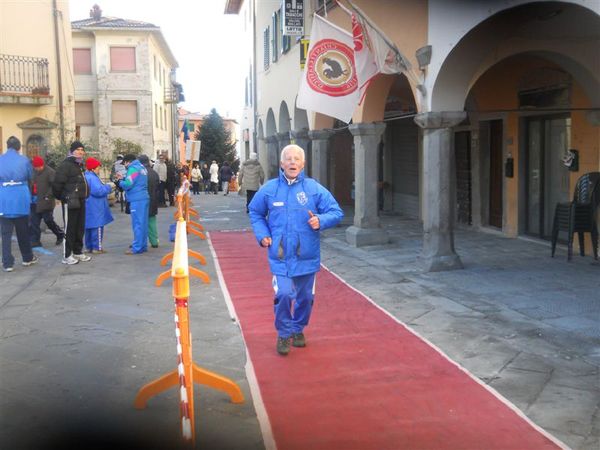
(383, 52)
(329, 84)
(364, 59)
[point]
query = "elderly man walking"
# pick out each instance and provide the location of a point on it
(287, 215)
(15, 199)
(70, 186)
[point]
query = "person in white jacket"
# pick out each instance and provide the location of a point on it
(214, 177)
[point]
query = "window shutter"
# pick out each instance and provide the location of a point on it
(84, 113)
(285, 40)
(82, 61)
(274, 37)
(266, 47)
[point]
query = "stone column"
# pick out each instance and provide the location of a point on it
(438, 210)
(366, 229)
(272, 167)
(320, 154)
(301, 139)
(283, 139)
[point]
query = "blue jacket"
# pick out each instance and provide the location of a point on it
(136, 182)
(15, 174)
(97, 211)
(280, 210)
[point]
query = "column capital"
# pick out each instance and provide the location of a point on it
(282, 136)
(367, 129)
(441, 119)
(271, 139)
(323, 134)
(300, 134)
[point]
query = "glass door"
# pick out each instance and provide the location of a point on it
(547, 181)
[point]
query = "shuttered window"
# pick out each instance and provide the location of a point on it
(286, 41)
(122, 59)
(266, 48)
(124, 112)
(82, 61)
(274, 37)
(84, 113)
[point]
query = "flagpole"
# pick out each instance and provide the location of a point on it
(340, 29)
(399, 56)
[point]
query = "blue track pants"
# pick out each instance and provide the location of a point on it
(293, 303)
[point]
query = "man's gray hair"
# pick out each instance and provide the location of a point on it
(292, 147)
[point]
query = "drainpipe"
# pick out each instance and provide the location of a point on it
(61, 116)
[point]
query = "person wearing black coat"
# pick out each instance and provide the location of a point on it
(43, 207)
(70, 187)
(171, 181)
(225, 174)
(154, 193)
(205, 178)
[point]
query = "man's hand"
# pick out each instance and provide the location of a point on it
(313, 221)
(266, 242)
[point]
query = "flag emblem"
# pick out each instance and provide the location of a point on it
(330, 68)
(302, 198)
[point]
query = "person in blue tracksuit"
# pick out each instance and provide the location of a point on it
(135, 184)
(15, 199)
(287, 215)
(97, 211)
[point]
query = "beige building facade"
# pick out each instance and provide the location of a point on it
(37, 100)
(124, 74)
(474, 133)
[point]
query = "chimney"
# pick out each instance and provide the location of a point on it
(96, 12)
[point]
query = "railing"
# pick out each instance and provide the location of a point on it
(24, 74)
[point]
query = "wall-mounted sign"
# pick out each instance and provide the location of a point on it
(293, 17)
(304, 44)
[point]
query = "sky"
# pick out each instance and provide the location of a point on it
(204, 40)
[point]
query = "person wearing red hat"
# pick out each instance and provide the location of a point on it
(42, 203)
(97, 210)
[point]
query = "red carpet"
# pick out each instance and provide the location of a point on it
(364, 381)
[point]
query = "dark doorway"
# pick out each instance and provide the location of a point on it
(34, 146)
(496, 200)
(462, 151)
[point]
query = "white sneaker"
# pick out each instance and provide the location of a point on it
(70, 260)
(82, 257)
(30, 263)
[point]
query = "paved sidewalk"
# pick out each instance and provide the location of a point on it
(76, 343)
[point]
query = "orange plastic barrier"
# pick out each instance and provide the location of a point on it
(187, 372)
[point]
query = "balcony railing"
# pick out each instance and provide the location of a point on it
(24, 74)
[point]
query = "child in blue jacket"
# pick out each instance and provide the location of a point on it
(97, 210)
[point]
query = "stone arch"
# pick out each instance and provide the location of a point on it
(261, 143)
(533, 28)
(284, 118)
(300, 119)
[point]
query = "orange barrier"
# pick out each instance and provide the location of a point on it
(185, 210)
(187, 372)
